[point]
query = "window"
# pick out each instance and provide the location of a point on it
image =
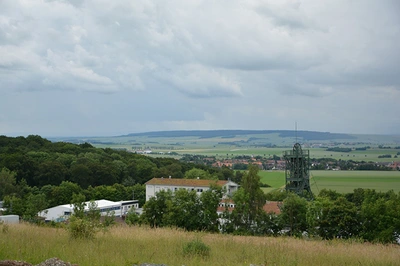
(199, 190)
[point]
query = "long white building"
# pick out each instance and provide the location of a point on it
(62, 212)
(199, 185)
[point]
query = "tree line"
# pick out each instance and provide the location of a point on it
(41, 162)
(36, 173)
(364, 214)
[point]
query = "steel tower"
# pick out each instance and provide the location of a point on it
(297, 172)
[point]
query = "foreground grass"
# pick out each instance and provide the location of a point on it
(129, 245)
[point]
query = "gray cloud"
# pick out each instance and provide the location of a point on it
(246, 57)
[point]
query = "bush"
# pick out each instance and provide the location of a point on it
(81, 228)
(196, 248)
(132, 218)
(109, 220)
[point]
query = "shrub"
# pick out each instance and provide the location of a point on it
(196, 248)
(132, 218)
(109, 220)
(81, 228)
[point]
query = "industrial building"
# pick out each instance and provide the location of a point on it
(62, 212)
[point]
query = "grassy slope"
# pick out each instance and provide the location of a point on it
(126, 246)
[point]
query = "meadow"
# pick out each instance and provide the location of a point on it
(341, 181)
(123, 245)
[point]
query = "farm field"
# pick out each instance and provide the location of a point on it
(347, 181)
(123, 245)
(276, 179)
(341, 181)
(235, 144)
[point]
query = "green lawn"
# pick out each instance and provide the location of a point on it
(341, 181)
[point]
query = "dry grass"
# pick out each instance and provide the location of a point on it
(129, 245)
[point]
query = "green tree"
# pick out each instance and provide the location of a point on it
(380, 217)
(330, 194)
(249, 201)
(339, 219)
(293, 215)
(196, 173)
(81, 175)
(14, 205)
(183, 210)
(62, 194)
(155, 209)
(7, 182)
(50, 173)
(209, 201)
(137, 192)
(34, 205)
(78, 201)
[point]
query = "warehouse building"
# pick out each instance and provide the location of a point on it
(62, 212)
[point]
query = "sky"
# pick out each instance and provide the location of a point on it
(105, 68)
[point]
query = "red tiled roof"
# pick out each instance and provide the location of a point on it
(185, 182)
(272, 206)
(269, 206)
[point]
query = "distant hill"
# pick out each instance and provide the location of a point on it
(305, 135)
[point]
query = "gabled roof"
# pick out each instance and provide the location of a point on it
(185, 182)
(272, 207)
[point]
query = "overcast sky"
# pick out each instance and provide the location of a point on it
(101, 67)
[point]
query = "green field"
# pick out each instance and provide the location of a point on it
(341, 181)
(226, 152)
(276, 179)
(347, 181)
(252, 144)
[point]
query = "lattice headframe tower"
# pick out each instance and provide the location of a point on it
(297, 171)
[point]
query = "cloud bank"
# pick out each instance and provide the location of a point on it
(115, 67)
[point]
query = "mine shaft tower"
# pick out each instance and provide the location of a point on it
(297, 172)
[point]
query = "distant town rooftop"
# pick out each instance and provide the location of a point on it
(185, 182)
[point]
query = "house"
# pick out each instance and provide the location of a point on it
(229, 205)
(199, 185)
(62, 212)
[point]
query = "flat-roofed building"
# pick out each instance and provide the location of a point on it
(62, 212)
(199, 185)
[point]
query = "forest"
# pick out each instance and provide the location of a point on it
(36, 173)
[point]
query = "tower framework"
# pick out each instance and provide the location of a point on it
(297, 171)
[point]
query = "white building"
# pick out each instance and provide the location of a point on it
(199, 185)
(62, 212)
(9, 219)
